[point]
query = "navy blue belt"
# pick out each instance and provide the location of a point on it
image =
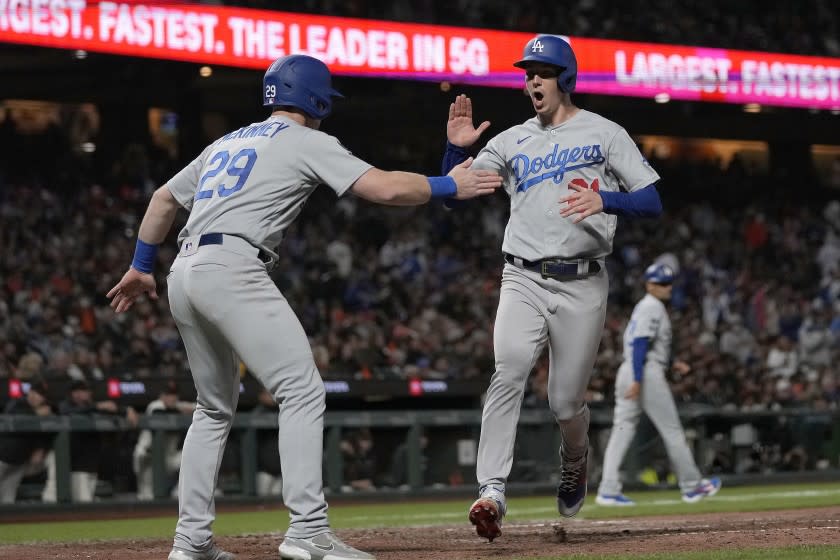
(553, 268)
(211, 239)
(219, 239)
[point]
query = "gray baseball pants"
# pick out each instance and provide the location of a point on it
(568, 315)
(226, 305)
(656, 400)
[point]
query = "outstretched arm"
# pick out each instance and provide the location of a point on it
(153, 229)
(159, 217)
(399, 188)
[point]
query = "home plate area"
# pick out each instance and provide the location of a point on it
(519, 540)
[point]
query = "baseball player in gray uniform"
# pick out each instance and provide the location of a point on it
(641, 385)
(242, 192)
(569, 173)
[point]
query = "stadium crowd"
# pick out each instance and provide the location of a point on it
(809, 28)
(403, 293)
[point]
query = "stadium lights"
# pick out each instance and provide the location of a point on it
(662, 97)
(205, 71)
(752, 108)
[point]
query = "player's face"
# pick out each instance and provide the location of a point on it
(660, 291)
(541, 84)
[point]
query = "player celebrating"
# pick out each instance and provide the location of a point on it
(243, 191)
(641, 386)
(563, 170)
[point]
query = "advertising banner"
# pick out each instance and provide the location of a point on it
(253, 38)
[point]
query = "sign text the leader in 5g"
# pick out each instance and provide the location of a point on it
(248, 38)
(251, 34)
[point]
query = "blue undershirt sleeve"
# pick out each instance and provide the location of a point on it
(640, 349)
(452, 157)
(643, 203)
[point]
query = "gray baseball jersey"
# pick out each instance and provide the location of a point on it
(254, 181)
(539, 163)
(248, 186)
(649, 320)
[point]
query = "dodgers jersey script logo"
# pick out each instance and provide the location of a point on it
(554, 165)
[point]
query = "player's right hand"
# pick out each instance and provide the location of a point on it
(633, 391)
(133, 284)
(474, 182)
(459, 128)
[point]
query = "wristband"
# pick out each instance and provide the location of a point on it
(145, 255)
(442, 187)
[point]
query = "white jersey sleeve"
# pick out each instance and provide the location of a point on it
(323, 159)
(625, 161)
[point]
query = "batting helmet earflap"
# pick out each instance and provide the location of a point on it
(659, 274)
(553, 50)
(300, 81)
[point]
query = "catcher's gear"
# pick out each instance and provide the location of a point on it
(551, 49)
(659, 274)
(299, 81)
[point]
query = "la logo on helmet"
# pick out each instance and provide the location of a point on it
(537, 46)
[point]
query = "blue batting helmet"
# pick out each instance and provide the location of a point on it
(659, 274)
(551, 49)
(300, 81)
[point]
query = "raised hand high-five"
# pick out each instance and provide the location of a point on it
(459, 128)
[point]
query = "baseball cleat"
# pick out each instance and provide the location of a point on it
(486, 514)
(707, 487)
(572, 488)
(611, 500)
(213, 553)
(325, 546)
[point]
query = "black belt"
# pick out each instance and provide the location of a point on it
(554, 268)
(219, 239)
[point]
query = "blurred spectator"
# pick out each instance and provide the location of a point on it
(400, 464)
(736, 340)
(815, 339)
(269, 473)
(85, 446)
(166, 403)
(783, 359)
(715, 307)
(23, 453)
(30, 366)
(359, 461)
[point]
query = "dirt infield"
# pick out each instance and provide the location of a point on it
(550, 538)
